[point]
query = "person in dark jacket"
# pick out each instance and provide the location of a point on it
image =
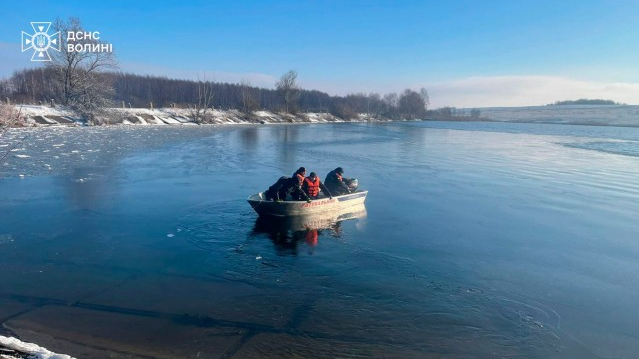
(299, 175)
(282, 188)
(312, 186)
(335, 182)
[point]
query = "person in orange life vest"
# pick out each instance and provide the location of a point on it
(312, 186)
(335, 182)
(299, 175)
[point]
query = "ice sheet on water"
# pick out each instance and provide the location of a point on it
(626, 148)
(576, 114)
(53, 151)
(5, 238)
(34, 351)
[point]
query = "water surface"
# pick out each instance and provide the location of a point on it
(480, 240)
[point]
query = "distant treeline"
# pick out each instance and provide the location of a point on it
(454, 114)
(41, 85)
(584, 101)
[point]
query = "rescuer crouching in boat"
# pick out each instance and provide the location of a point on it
(335, 182)
(300, 175)
(312, 186)
(284, 187)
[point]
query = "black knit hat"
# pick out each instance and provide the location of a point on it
(339, 170)
(312, 174)
(301, 169)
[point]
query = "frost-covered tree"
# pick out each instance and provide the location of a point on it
(79, 79)
(289, 90)
(424, 93)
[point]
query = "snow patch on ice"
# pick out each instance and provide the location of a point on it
(35, 351)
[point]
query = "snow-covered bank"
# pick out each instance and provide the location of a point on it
(36, 115)
(12, 348)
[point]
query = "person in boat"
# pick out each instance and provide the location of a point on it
(282, 188)
(335, 182)
(312, 186)
(299, 175)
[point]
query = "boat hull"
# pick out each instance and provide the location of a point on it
(337, 204)
(270, 224)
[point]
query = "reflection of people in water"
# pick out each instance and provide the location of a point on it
(311, 237)
(287, 233)
(286, 237)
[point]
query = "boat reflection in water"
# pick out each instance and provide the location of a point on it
(287, 232)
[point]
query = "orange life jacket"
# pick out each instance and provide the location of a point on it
(339, 176)
(300, 178)
(313, 187)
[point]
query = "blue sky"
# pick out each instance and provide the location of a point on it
(466, 53)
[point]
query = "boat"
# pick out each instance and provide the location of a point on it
(322, 205)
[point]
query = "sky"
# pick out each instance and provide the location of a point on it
(465, 53)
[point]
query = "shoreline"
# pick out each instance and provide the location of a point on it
(45, 116)
(36, 116)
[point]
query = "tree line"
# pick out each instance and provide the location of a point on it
(46, 85)
(584, 101)
(90, 81)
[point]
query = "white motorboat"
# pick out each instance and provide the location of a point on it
(323, 205)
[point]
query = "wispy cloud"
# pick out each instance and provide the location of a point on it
(526, 91)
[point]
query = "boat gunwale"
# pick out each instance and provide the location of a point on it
(261, 199)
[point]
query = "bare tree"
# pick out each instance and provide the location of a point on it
(80, 81)
(374, 104)
(249, 102)
(204, 100)
(289, 90)
(424, 94)
(9, 117)
(411, 105)
(391, 101)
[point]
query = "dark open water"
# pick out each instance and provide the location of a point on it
(481, 240)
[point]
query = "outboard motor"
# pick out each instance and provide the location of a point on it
(352, 184)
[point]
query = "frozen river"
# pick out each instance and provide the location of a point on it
(480, 240)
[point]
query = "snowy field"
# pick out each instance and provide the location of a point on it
(571, 114)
